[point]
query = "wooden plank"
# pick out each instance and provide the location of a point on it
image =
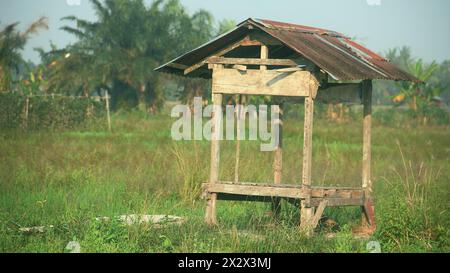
(252, 61)
(280, 189)
(336, 193)
(338, 202)
(290, 69)
(210, 216)
(256, 82)
(251, 190)
(338, 93)
(218, 53)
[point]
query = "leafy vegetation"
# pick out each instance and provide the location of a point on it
(49, 112)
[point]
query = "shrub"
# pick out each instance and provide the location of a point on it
(47, 112)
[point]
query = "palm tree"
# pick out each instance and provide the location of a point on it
(12, 42)
(125, 43)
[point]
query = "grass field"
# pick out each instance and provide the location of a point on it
(66, 179)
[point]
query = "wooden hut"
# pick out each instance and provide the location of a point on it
(263, 57)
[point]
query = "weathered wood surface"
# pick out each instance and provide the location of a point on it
(368, 217)
(278, 153)
(221, 52)
(306, 210)
(340, 92)
(318, 214)
(252, 61)
(210, 216)
(331, 202)
(240, 115)
(307, 142)
(337, 202)
(367, 124)
(257, 82)
(282, 190)
(264, 55)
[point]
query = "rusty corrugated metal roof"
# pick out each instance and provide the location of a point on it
(333, 52)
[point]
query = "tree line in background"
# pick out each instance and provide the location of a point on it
(117, 53)
(119, 50)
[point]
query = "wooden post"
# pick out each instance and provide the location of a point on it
(307, 212)
(27, 106)
(264, 55)
(278, 160)
(210, 217)
(368, 218)
(238, 141)
(107, 110)
(367, 123)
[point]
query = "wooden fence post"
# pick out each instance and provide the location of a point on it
(27, 105)
(107, 110)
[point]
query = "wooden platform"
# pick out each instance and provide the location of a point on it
(335, 196)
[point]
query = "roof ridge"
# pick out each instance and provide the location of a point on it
(295, 27)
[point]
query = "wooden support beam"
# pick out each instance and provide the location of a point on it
(264, 56)
(367, 124)
(239, 117)
(307, 142)
(318, 214)
(252, 61)
(218, 53)
(368, 217)
(210, 216)
(307, 211)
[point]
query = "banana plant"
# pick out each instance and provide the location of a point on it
(416, 94)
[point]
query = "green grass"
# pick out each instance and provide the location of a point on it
(66, 179)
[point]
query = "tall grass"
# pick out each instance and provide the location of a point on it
(67, 179)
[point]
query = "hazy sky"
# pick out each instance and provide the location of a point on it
(379, 24)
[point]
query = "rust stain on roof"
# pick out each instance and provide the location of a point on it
(333, 52)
